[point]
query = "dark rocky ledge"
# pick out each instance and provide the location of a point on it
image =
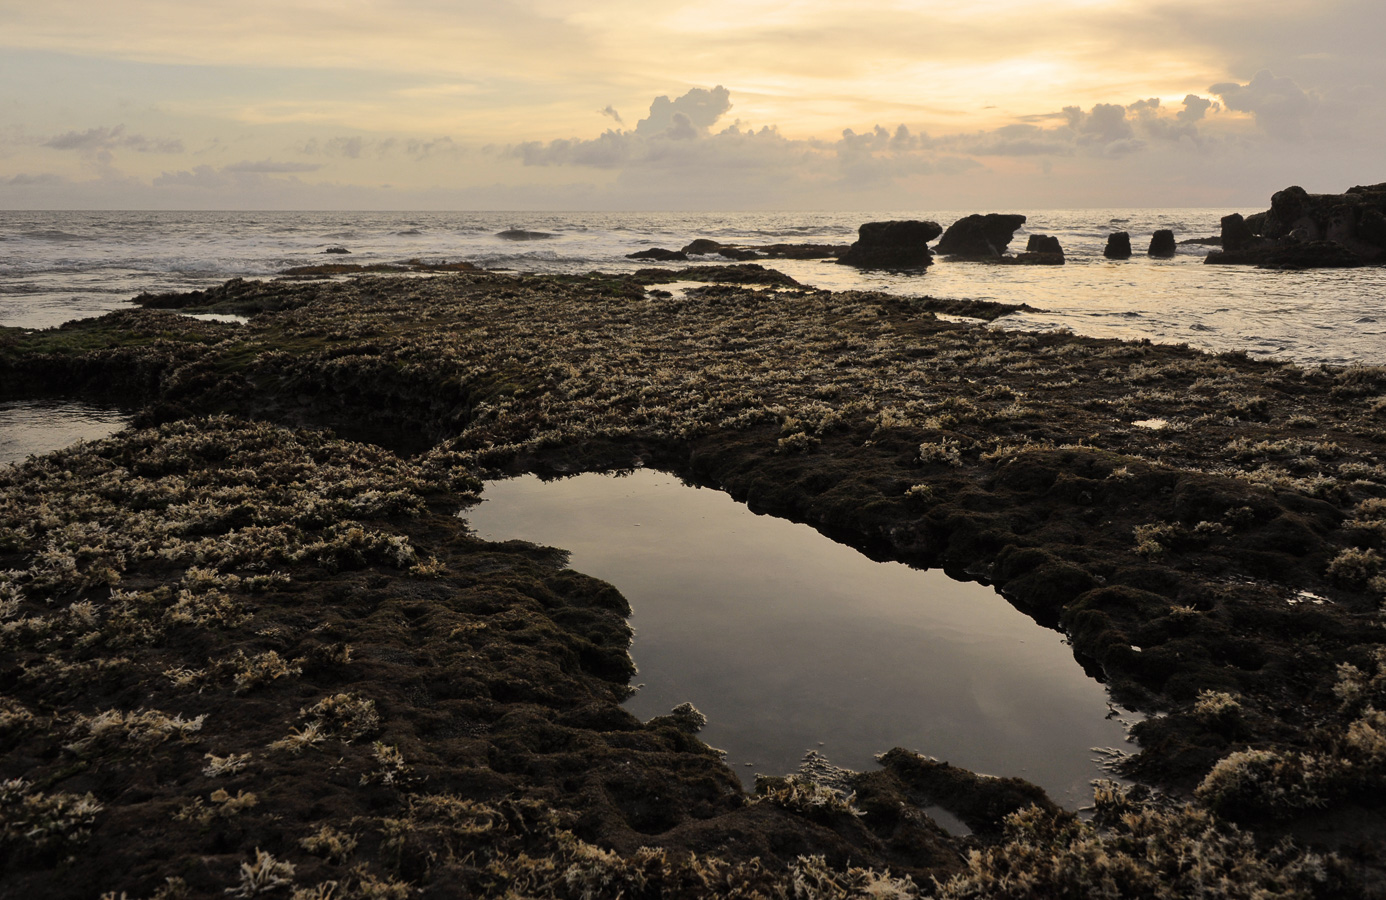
(394, 705)
(1306, 231)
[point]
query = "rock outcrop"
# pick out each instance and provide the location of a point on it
(659, 254)
(1303, 230)
(1118, 245)
(980, 237)
(709, 247)
(1042, 250)
(892, 245)
(1162, 244)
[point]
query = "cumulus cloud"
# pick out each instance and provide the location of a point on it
(1281, 108)
(611, 113)
(692, 114)
(679, 137)
(1195, 108)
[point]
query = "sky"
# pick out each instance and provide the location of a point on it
(707, 105)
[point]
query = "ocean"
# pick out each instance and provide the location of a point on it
(57, 266)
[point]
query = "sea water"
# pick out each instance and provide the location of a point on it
(56, 266)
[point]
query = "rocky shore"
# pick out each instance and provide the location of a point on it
(249, 647)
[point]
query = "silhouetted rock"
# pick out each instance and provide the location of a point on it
(1304, 230)
(336, 250)
(1042, 250)
(1118, 246)
(801, 251)
(702, 247)
(742, 253)
(660, 254)
(983, 237)
(1162, 243)
(1236, 233)
(892, 245)
(1291, 255)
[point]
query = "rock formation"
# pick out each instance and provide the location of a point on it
(1118, 246)
(1303, 230)
(892, 245)
(709, 247)
(1162, 244)
(982, 237)
(1042, 250)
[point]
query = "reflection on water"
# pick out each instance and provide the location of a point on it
(35, 427)
(788, 641)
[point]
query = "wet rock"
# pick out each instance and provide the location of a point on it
(659, 254)
(1162, 244)
(982, 237)
(336, 250)
(1291, 254)
(1043, 250)
(702, 247)
(981, 802)
(802, 251)
(739, 273)
(892, 245)
(1118, 246)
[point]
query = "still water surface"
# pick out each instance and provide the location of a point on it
(788, 641)
(35, 427)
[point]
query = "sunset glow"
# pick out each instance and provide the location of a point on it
(535, 104)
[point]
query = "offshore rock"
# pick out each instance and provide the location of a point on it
(1118, 246)
(892, 245)
(1236, 233)
(1304, 230)
(1162, 244)
(1042, 250)
(702, 247)
(659, 254)
(741, 253)
(983, 237)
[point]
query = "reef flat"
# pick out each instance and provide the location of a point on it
(249, 648)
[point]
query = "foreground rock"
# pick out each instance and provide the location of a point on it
(1303, 230)
(980, 237)
(394, 705)
(892, 245)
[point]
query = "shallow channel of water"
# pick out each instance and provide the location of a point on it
(33, 427)
(789, 642)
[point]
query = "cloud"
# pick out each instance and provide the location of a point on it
(25, 180)
(1195, 108)
(98, 140)
(693, 113)
(1281, 108)
(675, 146)
(610, 112)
